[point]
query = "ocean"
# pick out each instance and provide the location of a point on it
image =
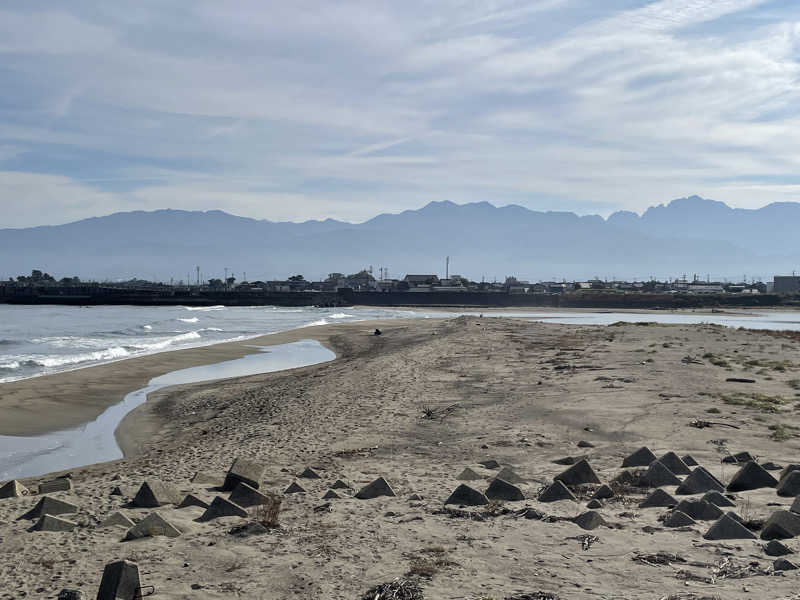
(40, 340)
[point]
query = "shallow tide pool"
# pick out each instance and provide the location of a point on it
(95, 441)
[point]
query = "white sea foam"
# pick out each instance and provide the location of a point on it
(10, 365)
(339, 316)
(166, 342)
(72, 341)
(205, 308)
(50, 362)
(147, 326)
(192, 320)
(315, 323)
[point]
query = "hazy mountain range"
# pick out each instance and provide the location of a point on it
(687, 236)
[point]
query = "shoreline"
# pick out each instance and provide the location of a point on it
(737, 311)
(69, 399)
(37, 405)
(141, 422)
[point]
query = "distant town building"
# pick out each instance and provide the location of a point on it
(705, 288)
(786, 284)
(421, 280)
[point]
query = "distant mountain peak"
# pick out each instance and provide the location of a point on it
(693, 202)
(691, 234)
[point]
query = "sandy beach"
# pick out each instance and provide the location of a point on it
(417, 405)
(63, 400)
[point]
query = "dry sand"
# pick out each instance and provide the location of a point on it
(522, 393)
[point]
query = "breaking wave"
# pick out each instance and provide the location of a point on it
(192, 320)
(164, 343)
(339, 316)
(315, 323)
(206, 308)
(38, 361)
(50, 362)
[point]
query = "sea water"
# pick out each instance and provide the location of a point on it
(39, 340)
(93, 442)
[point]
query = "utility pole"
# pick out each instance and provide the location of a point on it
(198, 276)
(447, 268)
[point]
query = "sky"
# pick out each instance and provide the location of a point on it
(300, 110)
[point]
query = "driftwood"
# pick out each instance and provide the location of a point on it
(659, 558)
(700, 424)
(397, 589)
(585, 540)
(740, 380)
(689, 596)
(366, 450)
(726, 569)
(429, 412)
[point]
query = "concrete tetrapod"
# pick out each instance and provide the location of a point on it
(379, 487)
(578, 474)
(727, 527)
(503, 490)
(641, 458)
(152, 525)
(467, 496)
(243, 471)
(751, 476)
(155, 493)
(120, 581)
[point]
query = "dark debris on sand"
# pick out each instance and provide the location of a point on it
(397, 589)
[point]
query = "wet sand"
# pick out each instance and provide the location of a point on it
(64, 400)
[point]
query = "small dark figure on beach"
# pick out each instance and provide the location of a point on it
(378, 332)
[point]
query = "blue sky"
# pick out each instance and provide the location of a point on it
(298, 110)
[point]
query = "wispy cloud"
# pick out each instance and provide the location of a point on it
(350, 108)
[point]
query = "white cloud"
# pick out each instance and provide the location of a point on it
(29, 199)
(352, 108)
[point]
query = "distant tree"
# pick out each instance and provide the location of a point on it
(230, 281)
(296, 278)
(215, 283)
(332, 277)
(362, 274)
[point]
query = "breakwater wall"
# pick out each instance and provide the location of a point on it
(95, 296)
(567, 300)
(99, 295)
